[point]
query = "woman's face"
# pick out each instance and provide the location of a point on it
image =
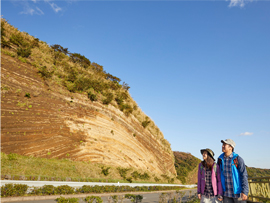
(204, 155)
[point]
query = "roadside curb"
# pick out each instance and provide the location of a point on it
(32, 198)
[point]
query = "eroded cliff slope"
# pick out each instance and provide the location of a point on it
(42, 121)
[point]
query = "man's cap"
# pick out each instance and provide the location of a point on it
(212, 154)
(229, 142)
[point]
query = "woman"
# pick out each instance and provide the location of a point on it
(209, 185)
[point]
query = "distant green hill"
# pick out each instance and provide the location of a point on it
(185, 164)
(257, 172)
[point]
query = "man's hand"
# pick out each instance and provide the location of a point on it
(243, 196)
(199, 196)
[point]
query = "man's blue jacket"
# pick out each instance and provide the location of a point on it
(239, 175)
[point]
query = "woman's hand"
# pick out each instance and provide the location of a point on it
(199, 196)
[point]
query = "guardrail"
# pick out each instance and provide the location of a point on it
(259, 188)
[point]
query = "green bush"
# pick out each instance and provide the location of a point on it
(22, 59)
(135, 175)
(78, 58)
(82, 83)
(123, 172)
(171, 180)
(114, 85)
(37, 191)
(115, 198)
(119, 100)
(146, 123)
(109, 98)
(44, 190)
(18, 40)
(92, 96)
(144, 176)
(134, 198)
(72, 74)
(112, 78)
(86, 189)
(70, 86)
(99, 86)
(125, 86)
(67, 200)
(59, 48)
(4, 43)
(121, 97)
(12, 156)
(156, 179)
(165, 176)
(35, 43)
(24, 52)
(126, 108)
(9, 190)
(48, 190)
(105, 171)
(130, 196)
(64, 189)
(20, 190)
(27, 94)
(2, 29)
(91, 199)
(45, 73)
(129, 179)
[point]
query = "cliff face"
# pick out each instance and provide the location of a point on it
(56, 123)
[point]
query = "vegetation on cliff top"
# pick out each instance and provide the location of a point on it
(75, 73)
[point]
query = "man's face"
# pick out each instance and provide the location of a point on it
(226, 148)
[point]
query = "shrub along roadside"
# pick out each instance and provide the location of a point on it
(91, 199)
(13, 190)
(67, 200)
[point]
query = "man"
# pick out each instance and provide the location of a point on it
(233, 174)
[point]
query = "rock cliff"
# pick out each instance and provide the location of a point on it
(38, 119)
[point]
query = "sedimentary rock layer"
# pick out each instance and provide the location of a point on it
(54, 124)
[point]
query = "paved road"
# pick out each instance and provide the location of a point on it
(147, 198)
(80, 184)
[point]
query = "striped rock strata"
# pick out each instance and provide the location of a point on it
(49, 125)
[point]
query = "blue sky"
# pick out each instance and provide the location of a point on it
(199, 69)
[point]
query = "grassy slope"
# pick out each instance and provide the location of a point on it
(257, 172)
(18, 165)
